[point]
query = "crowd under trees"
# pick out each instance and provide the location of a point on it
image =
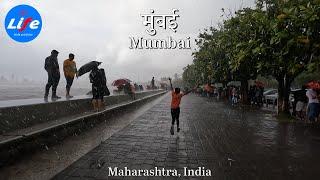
(276, 38)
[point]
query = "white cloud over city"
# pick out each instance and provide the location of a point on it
(100, 30)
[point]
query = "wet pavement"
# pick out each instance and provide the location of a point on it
(233, 143)
(45, 163)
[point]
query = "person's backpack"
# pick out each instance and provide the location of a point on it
(104, 82)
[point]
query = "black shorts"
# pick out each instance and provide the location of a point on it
(97, 92)
(69, 82)
(175, 113)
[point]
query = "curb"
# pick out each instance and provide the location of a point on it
(13, 149)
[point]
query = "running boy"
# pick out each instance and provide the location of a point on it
(175, 106)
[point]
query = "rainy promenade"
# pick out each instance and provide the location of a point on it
(234, 143)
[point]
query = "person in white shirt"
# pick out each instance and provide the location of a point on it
(313, 105)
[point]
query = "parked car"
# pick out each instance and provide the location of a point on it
(270, 91)
(270, 95)
(271, 98)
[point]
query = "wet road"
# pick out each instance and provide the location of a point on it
(234, 143)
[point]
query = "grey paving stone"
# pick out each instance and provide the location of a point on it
(211, 134)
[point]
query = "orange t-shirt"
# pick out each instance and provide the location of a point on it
(69, 68)
(176, 99)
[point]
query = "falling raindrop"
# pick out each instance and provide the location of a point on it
(230, 161)
(57, 155)
(100, 163)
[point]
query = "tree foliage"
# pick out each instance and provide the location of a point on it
(278, 38)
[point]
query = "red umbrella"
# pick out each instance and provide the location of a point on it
(259, 83)
(120, 82)
(314, 85)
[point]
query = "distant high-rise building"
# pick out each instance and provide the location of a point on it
(3, 79)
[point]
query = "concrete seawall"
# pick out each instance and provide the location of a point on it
(18, 117)
(48, 130)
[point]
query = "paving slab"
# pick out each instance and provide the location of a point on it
(232, 142)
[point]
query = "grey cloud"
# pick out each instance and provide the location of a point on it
(100, 30)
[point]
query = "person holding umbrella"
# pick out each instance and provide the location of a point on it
(122, 84)
(97, 88)
(99, 83)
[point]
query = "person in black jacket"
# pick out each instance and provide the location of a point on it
(97, 80)
(52, 68)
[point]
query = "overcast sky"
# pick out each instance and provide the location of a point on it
(100, 30)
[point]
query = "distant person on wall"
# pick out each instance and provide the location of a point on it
(136, 87)
(96, 78)
(175, 106)
(129, 89)
(70, 70)
(313, 105)
(152, 83)
(133, 92)
(52, 68)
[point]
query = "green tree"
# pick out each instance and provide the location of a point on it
(278, 38)
(241, 44)
(290, 37)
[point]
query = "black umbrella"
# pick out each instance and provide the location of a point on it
(88, 67)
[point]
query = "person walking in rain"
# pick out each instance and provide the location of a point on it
(301, 103)
(175, 106)
(69, 69)
(52, 68)
(313, 105)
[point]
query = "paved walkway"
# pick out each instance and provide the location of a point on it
(233, 143)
